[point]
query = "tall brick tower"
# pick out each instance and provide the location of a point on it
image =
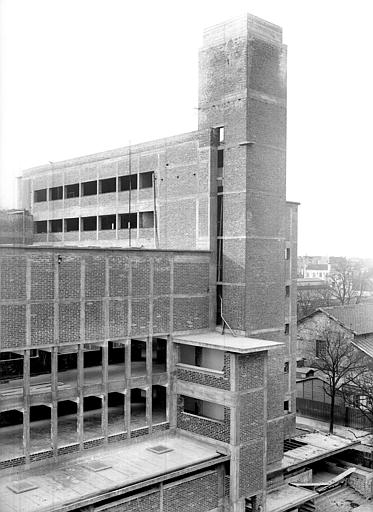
(243, 96)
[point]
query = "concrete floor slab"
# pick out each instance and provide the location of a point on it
(69, 479)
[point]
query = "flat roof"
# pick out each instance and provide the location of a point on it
(69, 483)
(226, 342)
(287, 496)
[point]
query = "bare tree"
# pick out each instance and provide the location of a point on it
(360, 394)
(347, 282)
(309, 300)
(340, 364)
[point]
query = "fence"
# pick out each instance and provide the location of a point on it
(346, 416)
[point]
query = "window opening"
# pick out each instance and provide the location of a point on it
(128, 182)
(55, 226)
(55, 193)
(89, 223)
(89, 188)
(128, 220)
(72, 191)
(203, 408)
(220, 131)
(108, 222)
(108, 185)
(220, 158)
(146, 179)
(320, 348)
(40, 195)
(146, 219)
(40, 226)
(72, 224)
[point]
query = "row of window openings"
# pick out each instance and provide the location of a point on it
(89, 188)
(105, 222)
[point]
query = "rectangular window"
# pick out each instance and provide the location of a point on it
(108, 222)
(72, 224)
(220, 158)
(40, 226)
(251, 504)
(55, 193)
(108, 185)
(89, 188)
(287, 253)
(40, 195)
(146, 179)
(55, 226)
(203, 408)
(287, 330)
(286, 367)
(127, 220)
(202, 357)
(72, 191)
(287, 291)
(128, 182)
(286, 405)
(220, 132)
(320, 348)
(89, 223)
(146, 219)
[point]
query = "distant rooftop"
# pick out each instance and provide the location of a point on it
(311, 282)
(317, 266)
(365, 345)
(357, 317)
(226, 342)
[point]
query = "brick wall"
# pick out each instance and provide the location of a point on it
(110, 290)
(200, 493)
(147, 503)
(204, 378)
(275, 439)
(219, 430)
(251, 468)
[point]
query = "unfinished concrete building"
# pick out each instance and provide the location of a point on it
(118, 388)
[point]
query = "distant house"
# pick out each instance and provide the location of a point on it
(355, 321)
(317, 270)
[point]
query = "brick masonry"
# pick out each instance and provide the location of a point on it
(200, 493)
(219, 430)
(93, 282)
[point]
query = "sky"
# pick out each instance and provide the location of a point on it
(83, 76)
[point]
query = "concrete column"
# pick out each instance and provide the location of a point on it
(127, 413)
(26, 406)
(105, 354)
(104, 398)
(172, 358)
(80, 422)
(221, 477)
(124, 409)
(149, 378)
(54, 360)
(54, 408)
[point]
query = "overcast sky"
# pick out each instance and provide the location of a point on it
(83, 76)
